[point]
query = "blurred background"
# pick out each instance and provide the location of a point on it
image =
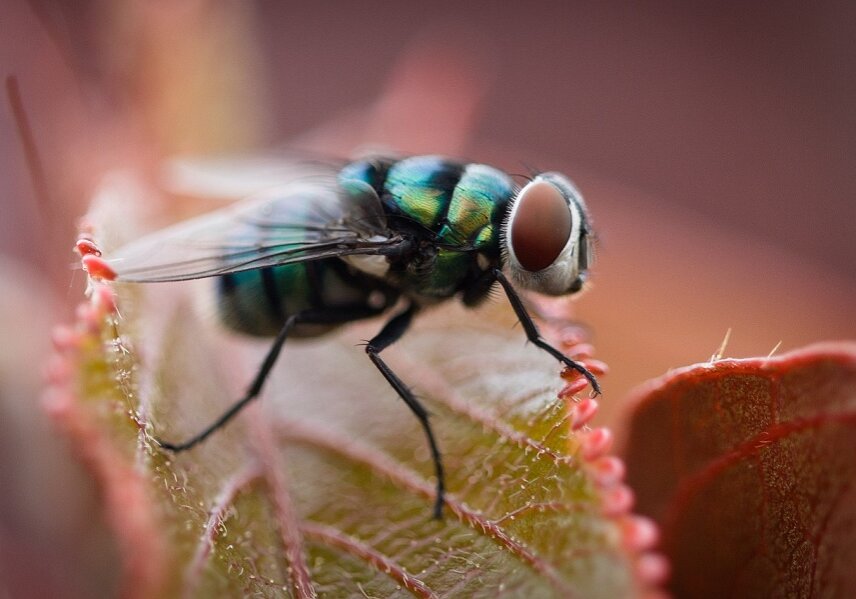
(714, 142)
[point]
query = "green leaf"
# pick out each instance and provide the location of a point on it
(325, 485)
(749, 467)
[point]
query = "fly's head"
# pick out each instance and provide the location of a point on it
(547, 237)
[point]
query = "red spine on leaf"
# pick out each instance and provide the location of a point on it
(98, 268)
(607, 470)
(596, 443)
(583, 412)
(87, 247)
(572, 388)
(639, 533)
(617, 500)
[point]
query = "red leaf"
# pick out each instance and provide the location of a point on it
(749, 467)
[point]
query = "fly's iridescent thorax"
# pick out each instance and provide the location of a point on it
(454, 211)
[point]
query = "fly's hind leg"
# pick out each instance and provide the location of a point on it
(313, 316)
(392, 332)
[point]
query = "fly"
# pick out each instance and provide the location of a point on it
(308, 257)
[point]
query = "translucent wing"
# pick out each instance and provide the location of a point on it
(295, 223)
(234, 177)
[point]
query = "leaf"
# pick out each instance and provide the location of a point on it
(749, 467)
(325, 485)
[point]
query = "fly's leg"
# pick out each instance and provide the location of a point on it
(535, 337)
(391, 332)
(320, 316)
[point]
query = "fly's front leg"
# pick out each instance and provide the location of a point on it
(535, 337)
(391, 332)
(317, 316)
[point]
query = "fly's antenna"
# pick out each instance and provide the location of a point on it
(532, 170)
(528, 177)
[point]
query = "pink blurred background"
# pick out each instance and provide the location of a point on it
(714, 142)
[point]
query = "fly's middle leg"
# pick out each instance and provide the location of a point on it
(392, 332)
(338, 315)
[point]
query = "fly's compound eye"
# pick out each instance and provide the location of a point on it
(546, 237)
(540, 227)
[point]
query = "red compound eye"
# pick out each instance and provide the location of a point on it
(541, 225)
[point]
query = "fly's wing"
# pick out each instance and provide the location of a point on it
(294, 223)
(229, 178)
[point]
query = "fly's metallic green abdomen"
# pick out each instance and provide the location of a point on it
(258, 302)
